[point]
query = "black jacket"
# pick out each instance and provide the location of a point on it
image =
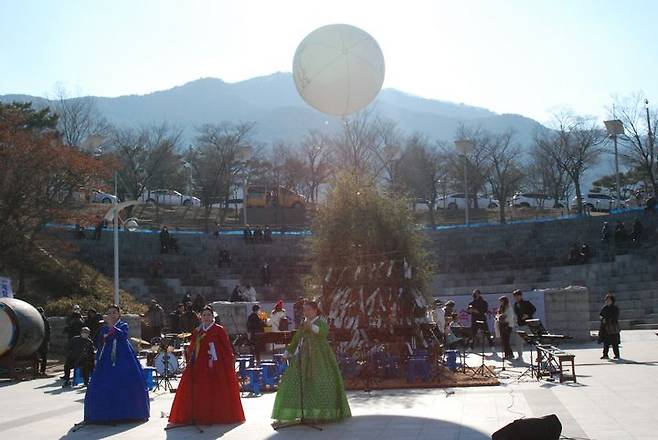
(73, 325)
(81, 350)
(255, 324)
(524, 308)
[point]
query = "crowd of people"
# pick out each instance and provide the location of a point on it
(257, 235)
(621, 234)
(208, 392)
(509, 318)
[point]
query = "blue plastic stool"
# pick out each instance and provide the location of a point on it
(392, 366)
(243, 363)
(281, 363)
(255, 377)
(77, 377)
(347, 366)
(451, 359)
(270, 373)
(418, 368)
(148, 377)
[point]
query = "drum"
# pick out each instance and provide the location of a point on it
(21, 328)
(165, 362)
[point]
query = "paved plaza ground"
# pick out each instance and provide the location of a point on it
(612, 400)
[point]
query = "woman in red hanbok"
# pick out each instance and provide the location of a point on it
(208, 392)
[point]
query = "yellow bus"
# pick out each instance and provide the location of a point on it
(262, 196)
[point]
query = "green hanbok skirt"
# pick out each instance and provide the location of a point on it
(318, 384)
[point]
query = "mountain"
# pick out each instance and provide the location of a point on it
(281, 115)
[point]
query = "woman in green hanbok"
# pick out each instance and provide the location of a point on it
(318, 378)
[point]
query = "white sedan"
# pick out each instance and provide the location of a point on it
(169, 197)
(458, 201)
(102, 197)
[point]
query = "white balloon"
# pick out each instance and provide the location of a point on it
(338, 69)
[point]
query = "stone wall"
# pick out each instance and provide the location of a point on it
(567, 311)
(58, 340)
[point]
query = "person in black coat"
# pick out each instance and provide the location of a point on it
(74, 323)
(609, 328)
(93, 323)
(45, 344)
(176, 317)
(478, 310)
(80, 354)
(254, 323)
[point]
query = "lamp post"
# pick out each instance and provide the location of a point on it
(650, 134)
(130, 225)
(465, 146)
(115, 223)
(615, 128)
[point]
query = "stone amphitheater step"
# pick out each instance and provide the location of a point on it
(652, 326)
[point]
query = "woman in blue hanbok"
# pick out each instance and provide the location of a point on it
(117, 391)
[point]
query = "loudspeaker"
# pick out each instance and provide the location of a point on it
(540, 428)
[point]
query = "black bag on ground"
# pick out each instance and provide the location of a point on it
(539, 428)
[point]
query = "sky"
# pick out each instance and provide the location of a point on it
(527, 57)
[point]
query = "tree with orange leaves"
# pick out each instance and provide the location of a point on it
(39, 179)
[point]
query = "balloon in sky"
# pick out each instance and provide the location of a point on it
(338, 69)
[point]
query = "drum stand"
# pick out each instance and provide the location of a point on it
(165, 380)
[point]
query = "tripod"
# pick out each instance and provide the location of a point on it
(193, 421)
(302, 420)
(483, 370)
(165, 379)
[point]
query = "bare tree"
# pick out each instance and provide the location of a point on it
(316, 150)
(546, 176)
(477, 162)
(366, 145)
(638, 142)
(574, 144)
(148, 157)
(423, 169)
(217, 161)
(79, 118)
(504, 174)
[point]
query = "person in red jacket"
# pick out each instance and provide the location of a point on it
(208, 392)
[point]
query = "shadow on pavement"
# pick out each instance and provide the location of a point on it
(384, 426)
(94, 431)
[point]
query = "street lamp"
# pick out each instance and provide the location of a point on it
(464, 147)
(615, 128)
(129, 225)
(650, 134)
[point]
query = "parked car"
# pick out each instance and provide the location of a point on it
(458, 201)
(169, 197)
(97, 196)
(598, 202)
(261, 196)
(535, 200)
(421, 205)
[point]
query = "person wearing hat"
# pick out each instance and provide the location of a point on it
(74, 323)
(80, 355)
(278, 315)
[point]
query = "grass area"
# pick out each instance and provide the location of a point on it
(57, 283)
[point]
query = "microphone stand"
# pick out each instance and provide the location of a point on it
(302, 421)
(193, 421)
